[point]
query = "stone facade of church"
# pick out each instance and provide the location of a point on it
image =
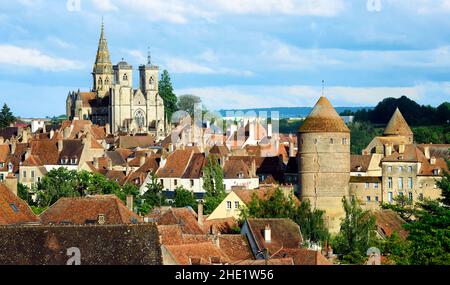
(113, 101)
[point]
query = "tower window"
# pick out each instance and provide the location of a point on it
(100, 81)
(125, 77)
(331, 141)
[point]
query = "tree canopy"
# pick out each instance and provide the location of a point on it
(6, 117)
(188, 102)
(213, 184)
(167, 94)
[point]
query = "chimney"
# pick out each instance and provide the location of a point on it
(60, 145)
(426, 151)
(388, 150)
(25, 136)
(13, 146)
(291, 149)
(433, 160)
(253, 169)
(130, 201)
(269, 130)
(11, 183)
(95, 162)
(252, 127)
(200, 214)
(141, 160)
(110, 164)
(267, 234)
(401, 149)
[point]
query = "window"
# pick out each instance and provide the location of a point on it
(436, 172)
(410, 196)
(24, 174)
(410, 183)
(32, 173)
(240, 175)
(192, 182)
(10, 167)
(390, 197)
(73, 161)
(390, 182)
(367, 184)
(410, 169)
(400, 183)
(331, 141)
(377, 199)
(368, 198)
(2, 177)
(229, 205)
(236, 205)
(100, 82)
(315, 141)
(375, 185)
(2, 164)
(400, 169)
(14, 207)
(175, 182)
(125, 77)
(421, 196)
(389, 168)
(344, 141)
(139, 118)
(400, 194)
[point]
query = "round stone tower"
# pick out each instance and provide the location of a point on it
(324, 162)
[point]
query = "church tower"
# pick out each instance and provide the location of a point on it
(148, 77)
(103, 69)
(324, 162)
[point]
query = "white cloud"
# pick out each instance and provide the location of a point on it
(260, 96)
(105, 5)
(422, 6)
(181, 11)
(25, 57)
(181, 65)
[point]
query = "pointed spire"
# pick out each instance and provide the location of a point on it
(102, 62)
(398, 126)
(323, 88)
(323, 118)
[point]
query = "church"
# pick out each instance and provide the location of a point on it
(113, 101)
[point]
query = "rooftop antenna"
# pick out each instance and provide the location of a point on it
(149, 56)
(323, 88)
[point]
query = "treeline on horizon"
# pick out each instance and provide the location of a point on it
(416, 115)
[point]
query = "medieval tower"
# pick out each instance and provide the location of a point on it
(324, 162)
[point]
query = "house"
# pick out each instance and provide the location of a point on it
(92, 210)
(94, 244)
(236, 173)
(13, 210)
(387, 222)
(233, 203)
(269, 236)
(181, 168)
(186, 218)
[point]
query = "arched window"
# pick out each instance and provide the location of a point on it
(125, 77)
(106, 81)
(100, 81)
(152, 80)
(331, 141)
(140, 119)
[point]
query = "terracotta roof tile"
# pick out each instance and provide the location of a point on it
(80, 211)
(388, 222)
(323, 118)
(185, 217)
(13, 210)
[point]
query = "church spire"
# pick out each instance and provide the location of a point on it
(103, 61)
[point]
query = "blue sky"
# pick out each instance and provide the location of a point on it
(232, 53)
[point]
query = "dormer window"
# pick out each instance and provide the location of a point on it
(240, 175)
(10, 167)
(436, 172)
(73, 161)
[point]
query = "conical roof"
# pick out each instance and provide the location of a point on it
(323, 118)
(103, 61)
(397, 126)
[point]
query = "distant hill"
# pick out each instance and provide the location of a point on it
(291, 112)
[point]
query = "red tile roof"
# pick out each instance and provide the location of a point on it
(185, 217)
(13, 210)
(80, 211)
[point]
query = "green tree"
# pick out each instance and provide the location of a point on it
(167, 94)
(188, 103)
(6, 117)
(153, 197)
(184, 198)
(357, 233)
(278, 205)
(213, 184)
(24, 193)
